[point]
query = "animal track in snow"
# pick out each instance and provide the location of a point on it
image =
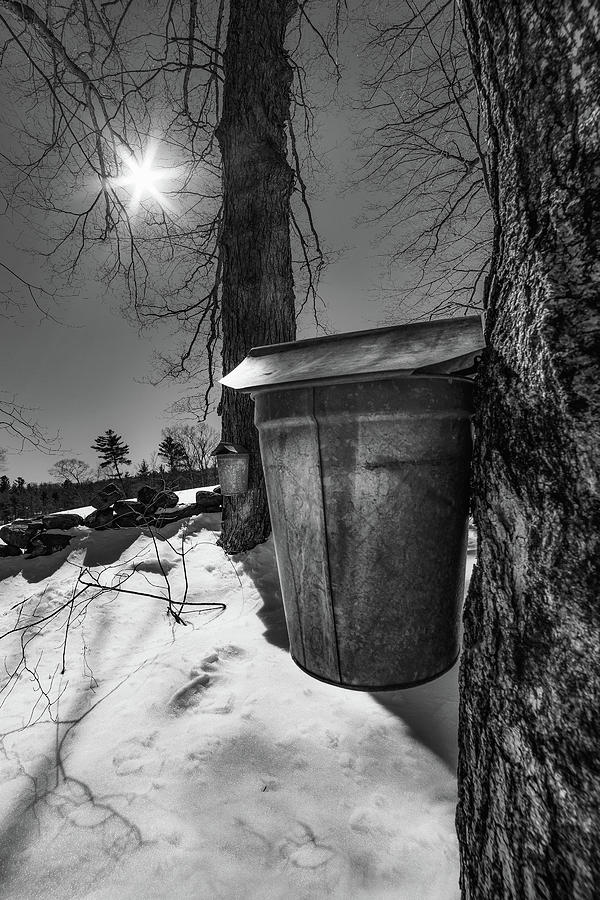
(195, 690)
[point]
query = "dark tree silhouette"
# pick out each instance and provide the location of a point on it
(198, 441)
(173, 452)
(112, 451)
(71, 469)
(143, 470)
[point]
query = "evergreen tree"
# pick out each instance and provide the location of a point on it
(4, 483)
(144, 470)
(112, 451)
(173, 452)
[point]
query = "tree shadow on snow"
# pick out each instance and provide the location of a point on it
(21, 826)
(47, 793)
(18, 827)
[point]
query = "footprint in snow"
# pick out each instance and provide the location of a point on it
(195, 690)
(208, 664)
(187, 694)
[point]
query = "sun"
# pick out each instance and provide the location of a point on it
(142, 177)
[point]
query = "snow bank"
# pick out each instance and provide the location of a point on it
(198, 761)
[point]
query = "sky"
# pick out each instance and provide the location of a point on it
(85, 371)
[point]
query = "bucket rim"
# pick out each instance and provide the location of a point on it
(402, 686)
(355, 379)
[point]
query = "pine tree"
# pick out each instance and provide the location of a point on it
(112, 451)
(4, 483)
(173, 452)
(144, 470)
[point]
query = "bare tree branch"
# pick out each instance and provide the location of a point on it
(425, 156)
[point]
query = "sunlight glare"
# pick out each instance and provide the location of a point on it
(141, 179)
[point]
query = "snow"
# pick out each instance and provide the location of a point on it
(198, 761)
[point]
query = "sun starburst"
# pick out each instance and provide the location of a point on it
(142, 177)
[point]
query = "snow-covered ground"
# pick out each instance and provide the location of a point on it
(198, 761)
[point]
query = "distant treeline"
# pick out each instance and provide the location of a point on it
(21, 500)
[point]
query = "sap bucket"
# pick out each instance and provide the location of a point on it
(232, 465)
(365, 442)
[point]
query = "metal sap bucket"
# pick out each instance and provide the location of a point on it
(367, 480)
(368, 488)
(232, 465)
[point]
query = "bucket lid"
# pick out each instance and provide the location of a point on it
(440, 347)
(224, 449)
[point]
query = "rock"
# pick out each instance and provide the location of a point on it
(47, 542)
(100, 518)
(9, 550)
(207, 501)
(127, 506)
(21, 531)
(163, 500)
(173, 515)
(62, 520)
(129, 520)
(107, 496)
(128, 514)
(130, 504)
(146, 494)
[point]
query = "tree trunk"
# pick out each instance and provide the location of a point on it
(258, 291)
(528, 817)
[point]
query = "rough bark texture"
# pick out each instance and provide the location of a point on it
(529, 763)
(258, 295)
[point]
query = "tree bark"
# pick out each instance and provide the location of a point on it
(258, 292)
(528, 816)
